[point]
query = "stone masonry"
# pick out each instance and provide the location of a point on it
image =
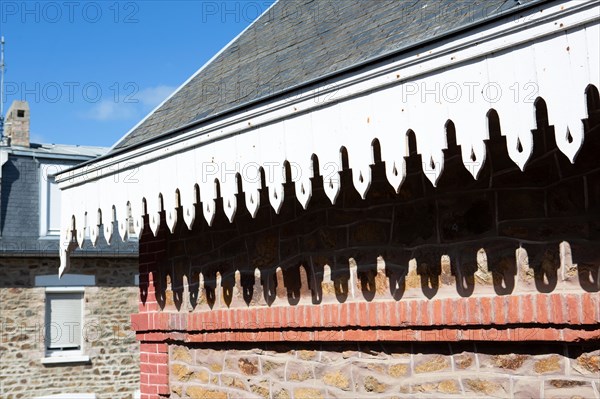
(113, 371)
(390, 370)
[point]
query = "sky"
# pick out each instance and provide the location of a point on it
(91, 70)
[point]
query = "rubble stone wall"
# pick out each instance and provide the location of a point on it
(113, 370)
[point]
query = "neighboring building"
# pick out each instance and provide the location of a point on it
(382, 199)
(68, 336)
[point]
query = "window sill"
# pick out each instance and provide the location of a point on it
(66, 359)
(69, 396)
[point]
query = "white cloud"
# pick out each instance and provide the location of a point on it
(106, 110)
(152, 96)
(134, 106)
(36, 138)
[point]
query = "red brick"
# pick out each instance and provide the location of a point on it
(360, 335)
(402, 309)
(474, 311)
(494, 334)
(282, 321)
(376, 311)
(335, 316)
(391, 313)
(527, 306)
(409, 335)
(460, 307)
(214, 318)
(589, 309)
(162, 369)
(153, 347)
(157, 358)
(326, 315)
(514, 308)
(232, 318)
(146, 388)
(353, 318)
(163, 389)
(573, 308)
(148, 368)
(556, 306)
(388, 335)
(596, 301)
(541, 314)
(315, 315)
(414, 312)
(449, 311)
(363, 315)
(551, 334)
(500, 309)
(297, 317)
(343, 310)
(139, 321)
(163, 321)
(292, 319)
(475, 335)
(264, 315)
(242, 317)
(329, 335)
(572, 335)
(251, 318)
(425, 313)
(303, 336)
(269, 317)
(486, 310)
(449, 334)
(438, 315)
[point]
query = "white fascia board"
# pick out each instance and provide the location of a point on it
(547, 44)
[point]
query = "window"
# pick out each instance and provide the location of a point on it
(20, 113)
(64, 312)
(64, 322)
(49, 200)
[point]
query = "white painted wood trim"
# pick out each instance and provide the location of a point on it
(505, 66)
(67, 360)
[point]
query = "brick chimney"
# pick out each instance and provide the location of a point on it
(16, 126)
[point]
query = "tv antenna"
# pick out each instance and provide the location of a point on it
(1, 88)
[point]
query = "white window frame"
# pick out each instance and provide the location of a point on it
(69, 283)
(47, 171)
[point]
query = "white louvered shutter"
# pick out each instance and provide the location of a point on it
(63, 328)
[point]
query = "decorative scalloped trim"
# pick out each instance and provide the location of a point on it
(557, 68)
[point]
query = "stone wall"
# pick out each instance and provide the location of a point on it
(113, 370)
(389, 370)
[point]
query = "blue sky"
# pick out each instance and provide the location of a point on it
(91, 70)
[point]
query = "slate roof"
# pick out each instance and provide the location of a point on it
(299, 41)
(54, 150)
(20, 202)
